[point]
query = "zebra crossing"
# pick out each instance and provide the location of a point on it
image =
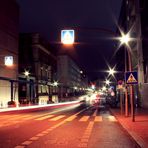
(7, 120)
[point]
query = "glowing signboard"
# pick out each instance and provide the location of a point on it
(8, 60)
(67, 36)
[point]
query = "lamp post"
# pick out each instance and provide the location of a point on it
(124, 39)
(26, 73)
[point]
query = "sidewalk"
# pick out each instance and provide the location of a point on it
(138, 129)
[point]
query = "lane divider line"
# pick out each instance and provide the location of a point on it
(85, 138)
(20, 146)
(95, 113)
(26, 143)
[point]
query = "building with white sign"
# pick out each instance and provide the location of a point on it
(9, 33)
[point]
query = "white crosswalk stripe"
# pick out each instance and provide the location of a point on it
(13, 119)
(45, 117)
(57, 118)
(71, 118)
(112, 118)
(84, 118)
(98, 119)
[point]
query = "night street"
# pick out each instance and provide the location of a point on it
(68, 127)
(73, 74)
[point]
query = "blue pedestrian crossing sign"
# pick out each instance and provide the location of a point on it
(67, 36)
(131, 77)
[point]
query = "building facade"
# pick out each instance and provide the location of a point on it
(133, 19)
(143, 5)
(36, 57)
(9, 34)
(69, 77)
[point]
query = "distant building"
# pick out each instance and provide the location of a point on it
(36, 57)
(9, 33)
(69, 77)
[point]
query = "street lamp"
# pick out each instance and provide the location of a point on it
(104, 88)
(26, 73)
(111, 71)
(55, 83)
(125, 39)
(107, 82)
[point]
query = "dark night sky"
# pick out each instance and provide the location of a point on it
(93, 50)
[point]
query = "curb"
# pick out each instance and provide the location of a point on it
(134, 135)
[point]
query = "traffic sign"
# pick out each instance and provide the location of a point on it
(67, 36)
(8, 60)
(131, 77)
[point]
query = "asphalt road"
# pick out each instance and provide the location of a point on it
(68, 127)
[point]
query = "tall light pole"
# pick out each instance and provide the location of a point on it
(124, 39)
(26, 73)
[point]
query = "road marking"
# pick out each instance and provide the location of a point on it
(95, 113)
(26, 142)
(112, 118)
(45, 117)
(39, 135)
(43, 133)
(20, 147)
(19, 117)
(82, 145)
(71, 118)
(98, 119)
(84, 118)
(34, 138)
(57, 118)
(85, 138)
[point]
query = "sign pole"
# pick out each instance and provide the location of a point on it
(126, 90)
(131, 79)
(132, 103)
(126, 101)
(121, 101)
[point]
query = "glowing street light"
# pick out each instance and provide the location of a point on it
(111, 71)
(55, 83)
(26, 73)
(107, 82)
(104, 88)
(93, 86)
(75, 87)
(125, 38)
